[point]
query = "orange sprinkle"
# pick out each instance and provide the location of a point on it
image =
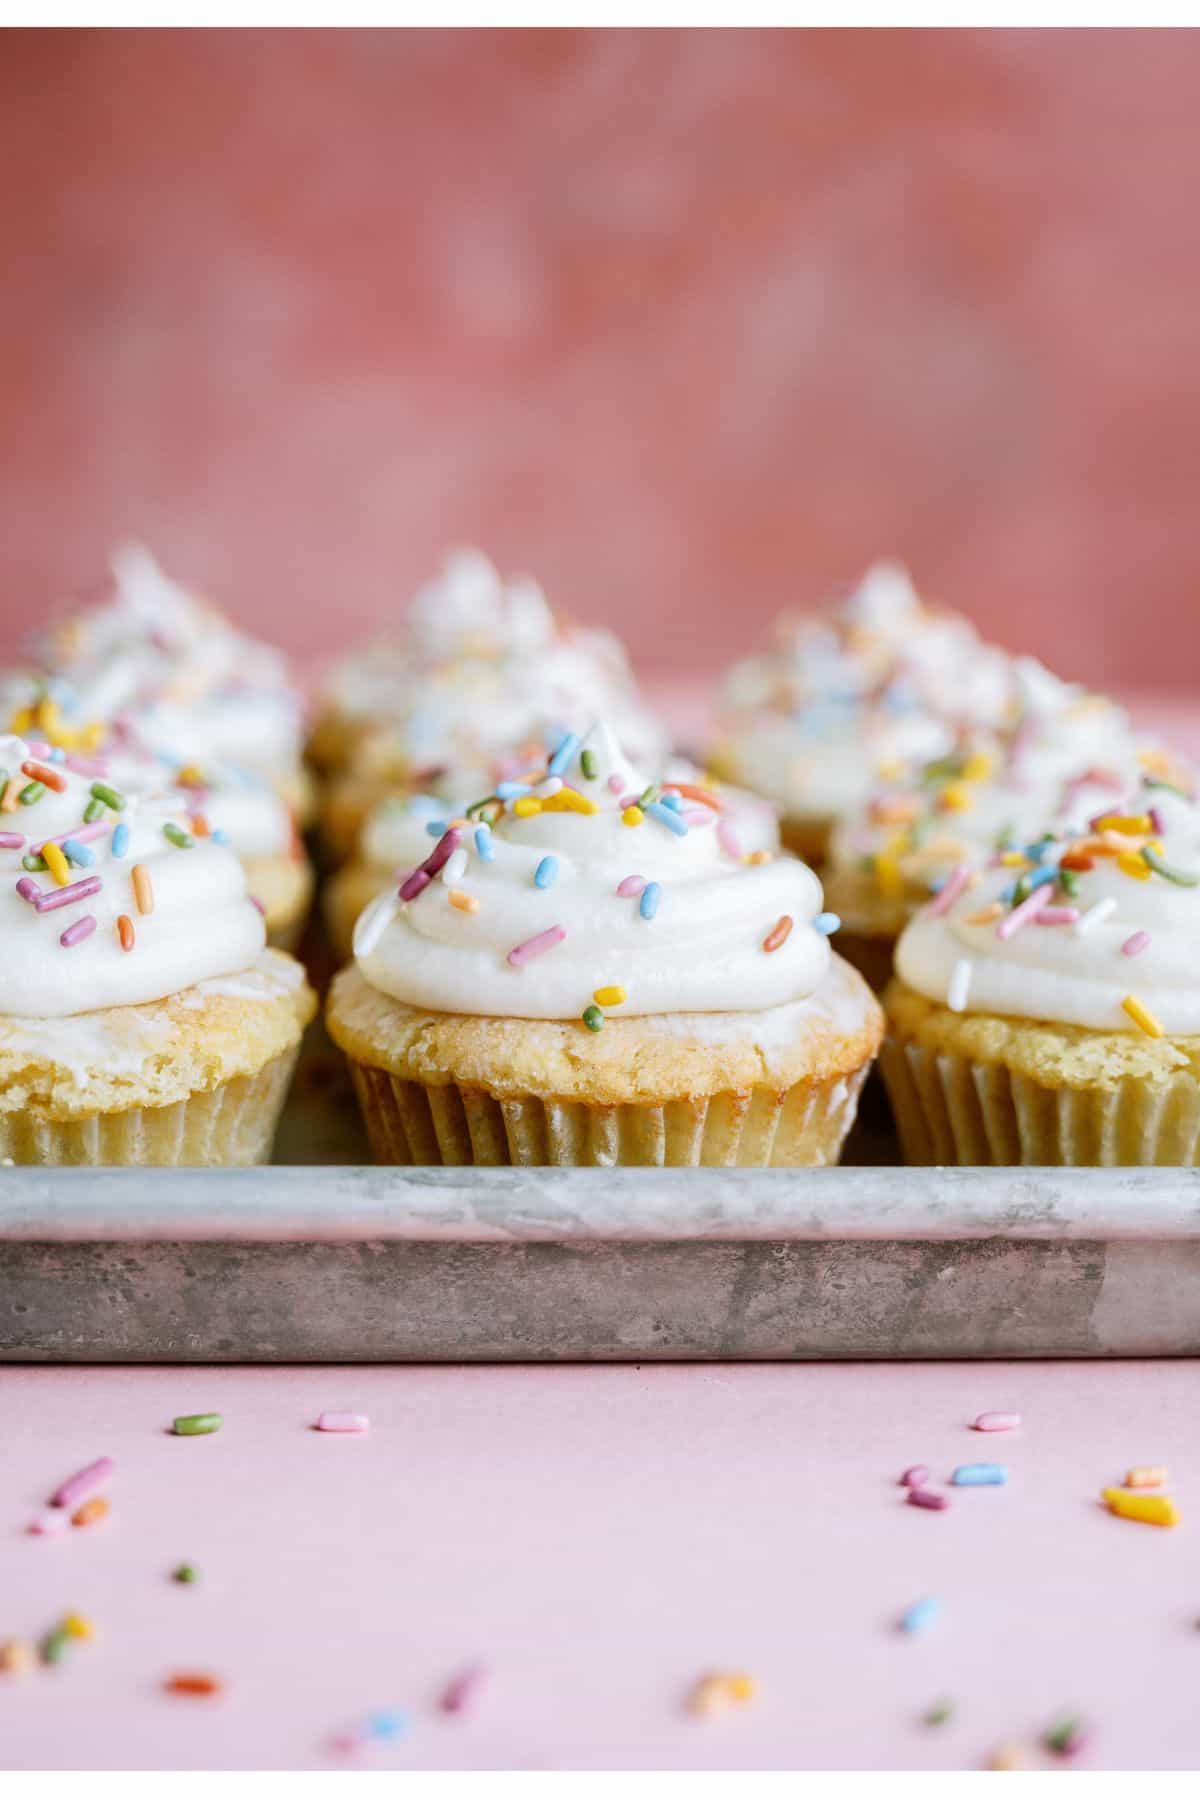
(125, 932)
(90, 1511)
(463, 901)
(757, 857)
(193, 1685)
(988, 915)
(143, 890)
(701, 795)
(11, 795)
(49, 777)
(900, 808)
(779, 936)
(1077, 860)
(200, 825)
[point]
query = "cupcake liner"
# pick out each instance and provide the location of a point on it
(409, 1123)
(952, 1110)
(231, 1126)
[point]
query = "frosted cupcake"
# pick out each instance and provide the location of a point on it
(142, 1020)
(198, 688)
(479, 664)
(1047, 1011)
(586, 974)
(396, 837)
(1059, 761)
(843, 700)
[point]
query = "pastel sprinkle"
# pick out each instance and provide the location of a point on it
(1066, 1738)
(80, 1484)
(662, 814)
(28, 889)
(79, 1628)
(915, 1476)
(1141, 1507)
(11, 839)
(1133, 945)
(631, 886)
(587, 764)
(108, 796)
(1095, 914)
(717, 1691)
(593, 1017)
(462, 901)
(186, 1574)
(1058, 914)
(94, 810)
(614, 783)
(49, 777)
(1146, 1476)
(125, 934)
(49, 1523)
(997, 1420)
(198, 1423)
(464, 1688)
(54, 1646)
(92, 1510)
(57, 863)
(79, 853)
(778, 935)
(192, 1685)
(31, 793)
(179, 837)
(512, 789)
(925, 1500)
(960, 985)
(673, 800)
(344, 1423)
(562, 755)
(1178, 876)
(632, 815)
(939, 1713)
(920, 1615)
(956, 882)
(610, 995)
(143, 890)
(436, 827)
(78, 931)
(536, 945)
(649, 901)
(1144, 1019)
(15, 1656)
(1137, 867)
(485, 849)
(546, 872)
(827, 923)
(454, 867)
(980, 1473)
(727, 837)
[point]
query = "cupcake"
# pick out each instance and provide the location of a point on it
(846, 699)
(586, 973)
(397, 833)
(480, 665)
(1061, 758)
(1045, 1011)
(198, 688)
(142, 1020)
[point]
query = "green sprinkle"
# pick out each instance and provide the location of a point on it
(593, 1017)
(180, 838)
(34, 864)
(55, 1645)
(202, 1423)
(1063, 1736)
(1021, 891)
(939, 1713)
(32, 793)
(93, 810)
(186, 1574)
(587, 763)
(649, 796)
(1165, 786)
(1068, 880)
(1169, 871)
(108, 796)
(480, 806)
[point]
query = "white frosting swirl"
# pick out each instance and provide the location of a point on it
(202, 923)
(701, 951)
(1140, 944)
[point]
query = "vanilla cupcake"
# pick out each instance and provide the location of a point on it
(1046, 1011)
(397, 833)
(1059, 760)
(142, 1020)
(843, 700)
(589, 973)
(479, 665)
(144, 648)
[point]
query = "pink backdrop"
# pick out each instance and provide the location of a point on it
(689, 323)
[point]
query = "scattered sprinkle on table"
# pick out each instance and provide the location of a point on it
(1066, 1738)
(92, 1510)
(344, 1423)
(939, 1713)
(1141, 1507)
(926, 1500)
(915, 1476)
(980, 1473)
(85, 1481)
(997, 1420)
(15, 1656)
(186, 1574)
(461, 1692)
(719, 1692)
(920, 1615)
(199, 1423)
(1147, 1476)
(193, 1685)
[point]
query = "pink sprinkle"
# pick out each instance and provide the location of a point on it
(57, 897)
(927, 1500)
(915, 1476)
(698, 816)
(37, 748)
(344, 1423)
(536, 945)
(49, 1523)
(1023, 913)
(1058, 914)
(954, 884)
(631, 886)
(76, 932)
(86, 764)
(997, 1420)
(463, 1689)
(83, 1482)
(614, 783)
(11, 839)
(1133, 945)
(83, 833)
(29, 889)
(433, 864)
(727, 837)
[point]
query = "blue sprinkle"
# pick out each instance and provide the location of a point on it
(1034, 852)
(79, 853)
(485, 849)
(436, 827)
(120, 839)
(826, 922)
(386, 1726)
(673, 800)
(547, 872)
(562, 754)
(648, 903)
(57, 755)
(980, 1473)
(512, 789)
(219, 836)
(920, 1615)
(664, 815)
(1042, 876)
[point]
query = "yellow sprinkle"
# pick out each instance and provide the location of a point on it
(568, 800)
(716, 1690)
(78, 1626)
(977, 766)
(527, 807)
(1140, 1507)
(47, 713)
(609, 995)
(1146, 1476)
(757, 857)
(955, 798)
(988, 915)
(1146, 1020)
(633, 814)
(1133, 865)
(1129, 825)
(22, 721)
(463, 901)
(1012, 858)
(92, 735)
(57, 863)
(191, 776)
(888, 876)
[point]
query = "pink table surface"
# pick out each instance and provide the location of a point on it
(601, 1537)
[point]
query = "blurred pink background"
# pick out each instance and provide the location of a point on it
(689, 324)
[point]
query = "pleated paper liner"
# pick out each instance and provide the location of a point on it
(409, 1123)
(231, 1126)
(952, 1110)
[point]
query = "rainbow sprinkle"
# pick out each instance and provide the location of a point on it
(649, 901)
(536, 945)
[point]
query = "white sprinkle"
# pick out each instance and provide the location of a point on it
(455, 867)
(1095, 914)
(374, 921)
(960, 982)
(546, 789)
